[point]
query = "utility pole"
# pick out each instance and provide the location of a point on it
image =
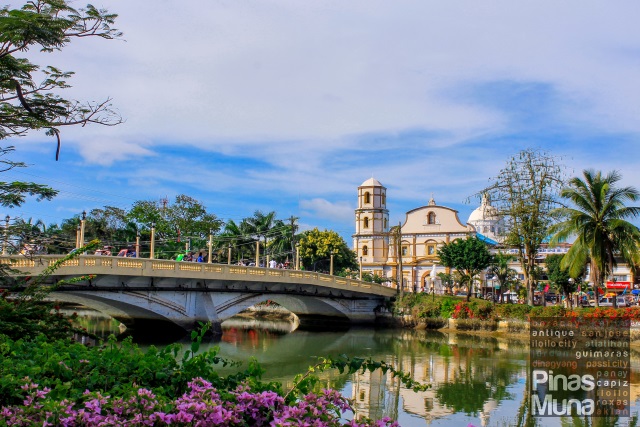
(397, 237)
(292, 224)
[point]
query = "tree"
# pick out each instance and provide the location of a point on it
(500, 269)
(468, 256)
(260, 225)
(598, 220)
(316, 245)
(238, 237)
(29, 93)
(174, 223)
(559, 276)
(524, 194)
(447, 280)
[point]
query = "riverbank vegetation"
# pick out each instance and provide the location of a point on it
(430, 309)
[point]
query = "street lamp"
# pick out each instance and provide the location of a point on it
(138, 244)
(153, 240)
(210, 245)
(571, 282)
(297, 256)
(229, 255)
(331, 264)
(84, 218)
(361, 269)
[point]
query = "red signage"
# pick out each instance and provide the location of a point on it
(619, 285)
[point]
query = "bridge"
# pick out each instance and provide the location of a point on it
(138, 290)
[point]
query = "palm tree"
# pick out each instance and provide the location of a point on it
(238, 237)
(599, 222)
(503, 273)
(260, 225)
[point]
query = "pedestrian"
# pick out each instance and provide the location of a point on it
(273, 263)
(200, 257)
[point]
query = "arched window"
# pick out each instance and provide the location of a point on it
(366, 221)
(386, 223)
(367, 197)
(384, 198)
(431, 218)
(365, 250)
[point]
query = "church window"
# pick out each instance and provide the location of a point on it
(431, 218)
(431, 249)
(366, 222)
(367, 197)
(405, 251)
(384, 198)
(386, 223)
(365, 250)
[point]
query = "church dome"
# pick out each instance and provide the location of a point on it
(484, 212)
(371, 182)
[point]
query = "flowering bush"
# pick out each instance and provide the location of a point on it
(462, 311)
(201, 405)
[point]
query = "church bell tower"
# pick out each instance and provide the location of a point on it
(371, 240)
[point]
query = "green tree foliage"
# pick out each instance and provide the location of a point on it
(468, 256)
(30, 93)
(24, 313)
(559, 276)
(500, 269)
(317, 246)
(599, 220)
(447, 280)
(524, 194)
(175, 223)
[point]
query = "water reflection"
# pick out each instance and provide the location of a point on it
(480, 380)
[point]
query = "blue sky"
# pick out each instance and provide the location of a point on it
(288, 106)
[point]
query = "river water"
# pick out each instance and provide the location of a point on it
(477, 380)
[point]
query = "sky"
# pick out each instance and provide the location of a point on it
(288, 105)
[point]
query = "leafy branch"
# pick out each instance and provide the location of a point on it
(351, 365)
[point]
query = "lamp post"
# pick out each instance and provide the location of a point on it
(331, 264)
(571, 282)
(138, 244)
(297, 256)
(82, 222)
(210, 245)
(361, 269)
(6, 234)
(153, 240)
(415, 280)
(229, 255)
(78, 236)
(258, 253)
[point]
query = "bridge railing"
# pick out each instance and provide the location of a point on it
(156, 267)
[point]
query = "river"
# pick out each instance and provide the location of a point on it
(477, 380)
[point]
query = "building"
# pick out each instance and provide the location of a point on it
(424, 230)
(427, 228)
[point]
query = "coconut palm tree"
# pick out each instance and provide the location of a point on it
(599, 222)
(501, 270)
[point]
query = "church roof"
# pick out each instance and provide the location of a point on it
(483, 212)
(371, 182)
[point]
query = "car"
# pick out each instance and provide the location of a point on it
(608, 302)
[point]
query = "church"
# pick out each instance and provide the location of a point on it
(424, 231)
(428, 228)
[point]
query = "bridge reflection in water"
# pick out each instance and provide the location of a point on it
(136, 290)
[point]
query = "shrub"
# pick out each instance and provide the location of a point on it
(513, 311)
(202, 404)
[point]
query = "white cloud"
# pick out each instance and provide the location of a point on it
(104, 151)
(324, 209)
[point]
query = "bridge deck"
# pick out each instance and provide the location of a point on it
(142, 267)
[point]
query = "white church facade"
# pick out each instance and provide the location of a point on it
(424, 231)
